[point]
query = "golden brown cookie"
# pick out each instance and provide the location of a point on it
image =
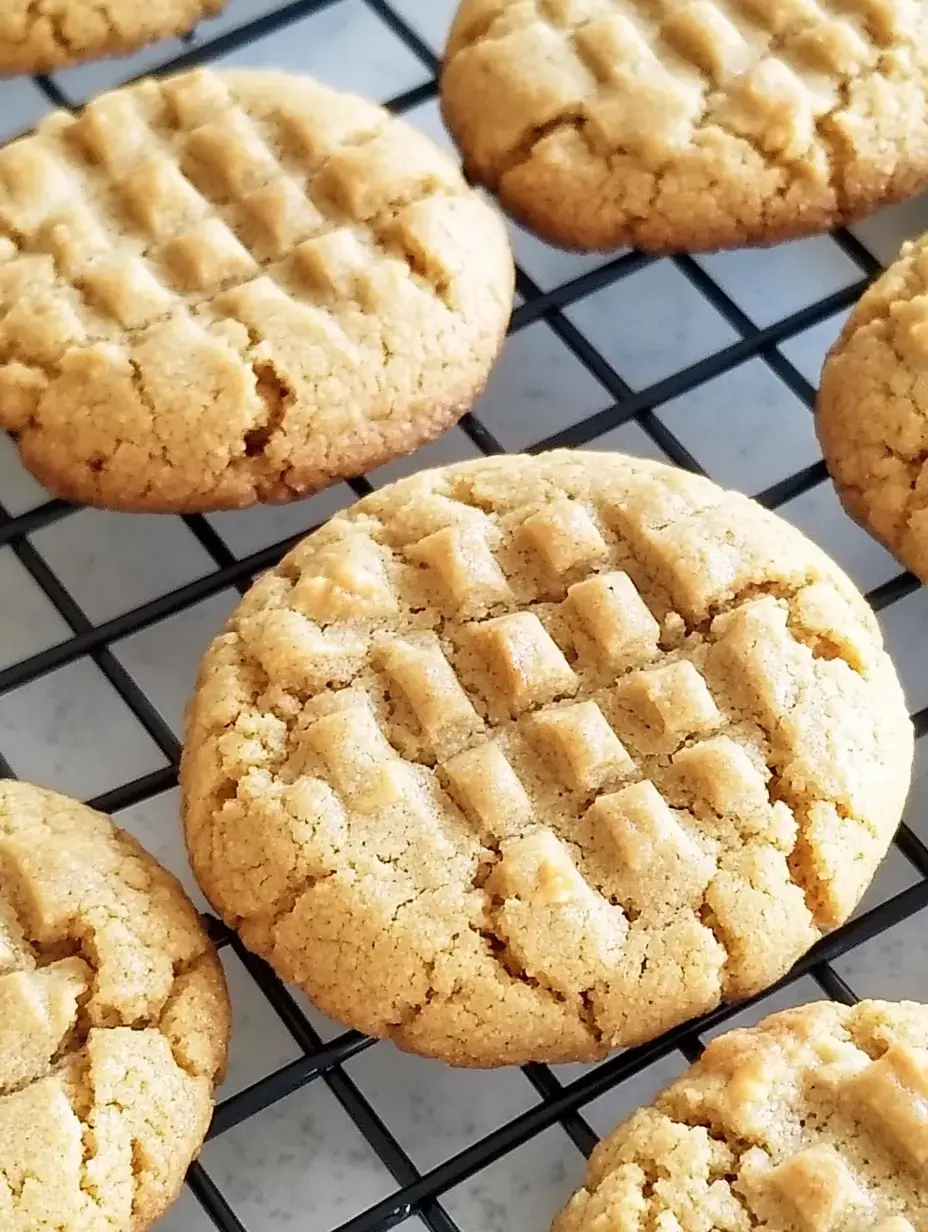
(689, 124)
(528, 758)
(39, 37)
(114, 1022)
(813, 1121)
(222, 288)
(872, 412)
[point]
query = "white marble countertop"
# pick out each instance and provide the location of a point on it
(303, 1163)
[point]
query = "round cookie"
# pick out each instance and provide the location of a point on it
(872, 410)
(223, 288)
(37, 38)
(813, 1120)
(114, 1022)
(528, 758)
(692, 125)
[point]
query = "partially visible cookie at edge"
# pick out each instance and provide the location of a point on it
(114, 1022)
(530, 758)
(39, 38)
(228, 287)
(812, 1121)
(872, 409)
(688, 126)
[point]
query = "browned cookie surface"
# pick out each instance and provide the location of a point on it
(114, 1022)
(689, 124)
(813, 1121)
(872, 412)
(528, 758)
(37, 36)
(222, 288)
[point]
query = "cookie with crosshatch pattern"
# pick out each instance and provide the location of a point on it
(114, 1022)
(36, 38)
(527, 758)
(689, 124)
(229, 287)
(872, 409)
(812, 1121)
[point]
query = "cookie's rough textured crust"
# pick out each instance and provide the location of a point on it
(813, 1121)
(114, 1022)
(221, 288)
(39, 37)
(689, 124)
(530, 757)
(872, 413)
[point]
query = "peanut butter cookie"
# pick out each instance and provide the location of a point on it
(114, 1022)
(689, 124)
(813, 1121)
(222, 288)
(528, 758)
(872, 413)
(36, 38)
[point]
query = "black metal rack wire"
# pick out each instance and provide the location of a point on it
(417, 1192)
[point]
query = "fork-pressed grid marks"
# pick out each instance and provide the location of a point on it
(184, 208)
(546, 304)
(700, 111)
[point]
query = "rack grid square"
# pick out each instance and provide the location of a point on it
(375, 1143)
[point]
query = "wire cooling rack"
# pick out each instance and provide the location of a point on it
(417, 1192)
